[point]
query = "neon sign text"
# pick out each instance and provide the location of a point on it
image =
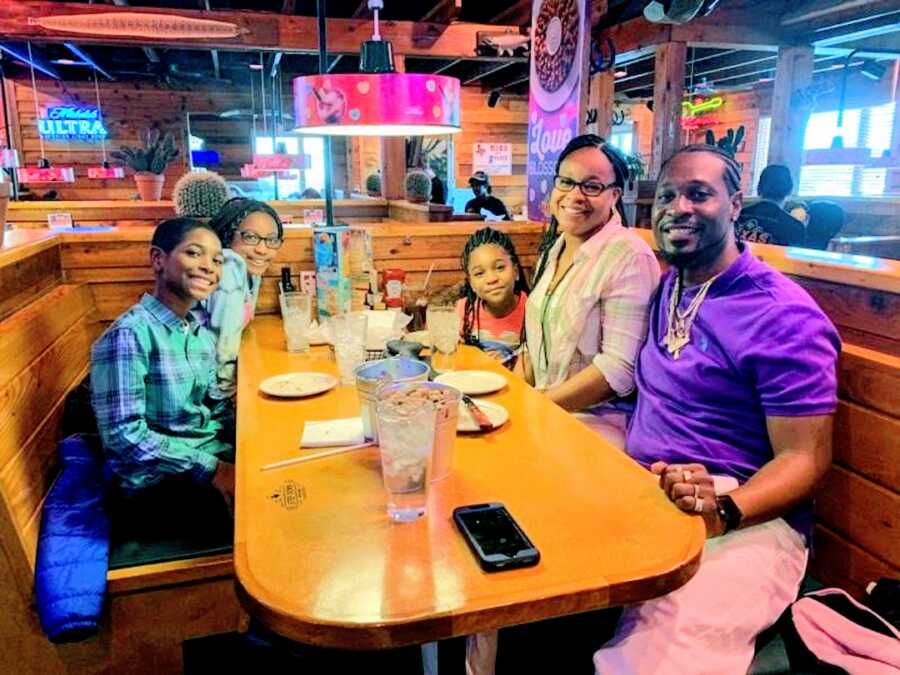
(72, 123)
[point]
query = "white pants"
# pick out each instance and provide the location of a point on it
(746, 580)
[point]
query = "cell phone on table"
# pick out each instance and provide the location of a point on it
(495, 537)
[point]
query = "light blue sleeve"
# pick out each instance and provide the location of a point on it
(225, 309)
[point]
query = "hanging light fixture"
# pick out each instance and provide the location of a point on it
(43, 172)
(104, 171)
(377, 101)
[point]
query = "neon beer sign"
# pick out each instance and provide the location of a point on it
(72, 123)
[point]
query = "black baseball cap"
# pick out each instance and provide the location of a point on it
(478, 178)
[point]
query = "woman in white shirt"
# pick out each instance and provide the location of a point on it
(586, 318)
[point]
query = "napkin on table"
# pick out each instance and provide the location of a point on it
(332, 433)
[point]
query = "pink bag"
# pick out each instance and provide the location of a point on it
(841, 632)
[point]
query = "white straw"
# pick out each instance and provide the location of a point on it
(428, 276)
(318, 455)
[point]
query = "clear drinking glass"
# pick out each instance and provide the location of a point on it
(295, 317)
(406, 426)
(443, 330)
(349, 343)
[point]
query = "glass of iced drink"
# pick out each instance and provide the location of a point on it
(406, 426)
(295, 317)
(443, 332)
(349, 343)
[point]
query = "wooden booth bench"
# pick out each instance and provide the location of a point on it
(58, 291)
(151, 609)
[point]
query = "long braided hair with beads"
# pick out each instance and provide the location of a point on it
(482, 237)
(620, 173)
(233, 212)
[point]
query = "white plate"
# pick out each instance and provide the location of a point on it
(296, 385)
(496, 413)
(473, 382)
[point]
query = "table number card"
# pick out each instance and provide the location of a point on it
(59, 220)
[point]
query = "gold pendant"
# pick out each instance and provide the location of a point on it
(675, 342)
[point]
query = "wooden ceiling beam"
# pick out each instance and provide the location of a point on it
(257, 31)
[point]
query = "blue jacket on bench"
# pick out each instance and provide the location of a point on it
(73, 546)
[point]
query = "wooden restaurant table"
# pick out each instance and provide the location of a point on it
(317, 560)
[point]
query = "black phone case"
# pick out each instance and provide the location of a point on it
(526, 558)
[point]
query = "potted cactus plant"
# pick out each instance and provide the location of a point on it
(636, 171)
(149, 161)
(200, 194)
(373, 184)
(418, 186)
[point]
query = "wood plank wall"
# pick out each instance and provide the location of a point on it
(129, 107)
(118, 272)
(505, 123)
(857, 537)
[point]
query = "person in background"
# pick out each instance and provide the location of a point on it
(484, 202)
(251, 233)
(767, 221)
(153, 369)
(492, 306)
(586, 317)
(311, 193)
(825, 221)
(736, 392)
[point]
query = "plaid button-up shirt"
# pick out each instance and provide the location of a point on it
(598, 313)
(151, 372)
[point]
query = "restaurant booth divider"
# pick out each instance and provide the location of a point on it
(58, 290)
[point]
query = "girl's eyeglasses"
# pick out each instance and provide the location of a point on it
(252, 239)
(589, 188)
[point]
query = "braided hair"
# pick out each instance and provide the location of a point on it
(472, 311)
(620, 172)
(229, 218)
(732, 174)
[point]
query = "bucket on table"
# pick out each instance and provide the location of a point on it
(373, 374)
(445, 424)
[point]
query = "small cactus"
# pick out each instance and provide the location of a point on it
(418, 186)
(373, 184)
(200, 194)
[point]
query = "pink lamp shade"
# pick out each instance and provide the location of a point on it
(50, 174)
(376, 104)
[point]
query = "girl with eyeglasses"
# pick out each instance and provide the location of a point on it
(586, 317)
(251, 234)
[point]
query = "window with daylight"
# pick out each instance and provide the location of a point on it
(311, 177)
(870, 129)
(622, 138)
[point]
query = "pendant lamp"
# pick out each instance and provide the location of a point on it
(377, 101)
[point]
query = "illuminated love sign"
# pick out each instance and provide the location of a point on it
(72, 123)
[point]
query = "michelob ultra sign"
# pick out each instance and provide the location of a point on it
(72, 123)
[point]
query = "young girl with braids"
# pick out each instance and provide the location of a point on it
(251, 233)
(492, 306)
(587, 314)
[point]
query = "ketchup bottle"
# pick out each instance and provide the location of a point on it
(393, 287)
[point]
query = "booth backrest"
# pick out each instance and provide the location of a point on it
(45, 352)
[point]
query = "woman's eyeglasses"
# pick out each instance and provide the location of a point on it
(589, 188)
(253, 239)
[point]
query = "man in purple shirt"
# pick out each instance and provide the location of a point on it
(736, 389)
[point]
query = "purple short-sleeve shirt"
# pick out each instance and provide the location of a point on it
(760, 346)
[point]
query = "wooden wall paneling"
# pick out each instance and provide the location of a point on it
(112, 299)
(861, 511)
(870, 378)
(838, 562)
(505, 123)
(24, 337)
(862, 309)
(27, 279)
(868, 442)
(668, 93)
